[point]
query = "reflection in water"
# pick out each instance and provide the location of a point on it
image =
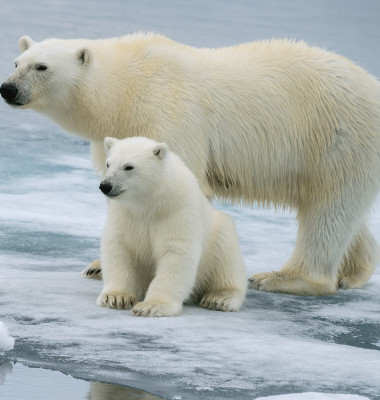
(20, 382)
(107, 391)
(6, 367)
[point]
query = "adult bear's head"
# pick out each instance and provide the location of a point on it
(46, 73)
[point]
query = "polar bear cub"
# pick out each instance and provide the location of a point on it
(163, 242)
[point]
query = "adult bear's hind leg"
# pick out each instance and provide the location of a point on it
(359, 262)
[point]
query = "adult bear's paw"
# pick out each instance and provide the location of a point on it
(291, 283)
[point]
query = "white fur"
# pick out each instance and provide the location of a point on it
(163, 242)
(269, 122)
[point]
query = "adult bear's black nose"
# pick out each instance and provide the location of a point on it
(105, 187)
(8, 91)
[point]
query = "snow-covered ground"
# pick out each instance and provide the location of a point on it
(51, 217)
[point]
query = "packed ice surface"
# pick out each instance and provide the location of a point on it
(52, 215)
(313, 396)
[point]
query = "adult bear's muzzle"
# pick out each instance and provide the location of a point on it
(9, 92)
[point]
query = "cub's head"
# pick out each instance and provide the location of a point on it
(45, 73)
(135, 169)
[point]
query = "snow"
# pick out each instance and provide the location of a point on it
(6, 341)
(52, 214)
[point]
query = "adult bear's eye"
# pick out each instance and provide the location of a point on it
(128, 167)
(41, 67)
(15, 65)
(108, 165)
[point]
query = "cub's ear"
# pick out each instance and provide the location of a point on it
(24, 43)
(84, 56)
(108, 143)
(160, 150)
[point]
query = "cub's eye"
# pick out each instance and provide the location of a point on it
(41, 67)
(15, 65)
(108, 165)
(128, 167)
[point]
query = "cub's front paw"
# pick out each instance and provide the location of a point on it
(119, 300)
(156, 309)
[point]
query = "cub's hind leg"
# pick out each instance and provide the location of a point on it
(222, 272)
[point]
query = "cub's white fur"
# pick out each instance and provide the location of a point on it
(163, 242)
(270, 122)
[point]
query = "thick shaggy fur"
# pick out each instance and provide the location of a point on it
(163, 242)
(268, 122)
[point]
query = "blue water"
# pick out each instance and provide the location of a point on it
(51, 217)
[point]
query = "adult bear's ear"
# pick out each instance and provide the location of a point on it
(108, 143)
(24, 43)
(84, 56)
(160, 150)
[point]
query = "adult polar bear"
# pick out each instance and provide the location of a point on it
(269, 122)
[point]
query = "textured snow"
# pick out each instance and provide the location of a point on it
(6, 341)
(52, 214)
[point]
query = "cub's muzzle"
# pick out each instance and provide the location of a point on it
(105, 187)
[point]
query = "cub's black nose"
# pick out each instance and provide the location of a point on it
(8, 91)
(105, 187)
